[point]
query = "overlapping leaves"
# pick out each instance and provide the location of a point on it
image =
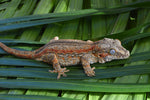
(34, 20)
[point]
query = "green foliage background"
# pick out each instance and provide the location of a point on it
(28, 24)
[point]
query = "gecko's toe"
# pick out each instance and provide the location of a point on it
(52, 71)
(90, 72)
(60, 72)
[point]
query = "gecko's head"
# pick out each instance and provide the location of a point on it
(110, 49)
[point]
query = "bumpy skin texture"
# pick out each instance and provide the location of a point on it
(66, 52)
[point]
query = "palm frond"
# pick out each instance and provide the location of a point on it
(29, 24)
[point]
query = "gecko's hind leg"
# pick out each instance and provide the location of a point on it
(51, 58)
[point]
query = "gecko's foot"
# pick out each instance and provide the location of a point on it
(60, 72)
(90, 71)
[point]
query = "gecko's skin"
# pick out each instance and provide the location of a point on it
(66, 52)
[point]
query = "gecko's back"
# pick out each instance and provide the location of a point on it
(65, 46)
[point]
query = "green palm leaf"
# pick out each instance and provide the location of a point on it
(30, 97)
(29, 24)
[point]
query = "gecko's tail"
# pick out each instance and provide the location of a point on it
(18, 53)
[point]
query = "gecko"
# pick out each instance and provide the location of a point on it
(67, 52)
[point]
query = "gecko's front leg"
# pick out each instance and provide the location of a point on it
(86, 66)
(51, 58)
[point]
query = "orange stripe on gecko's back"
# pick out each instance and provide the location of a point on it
(60, 51)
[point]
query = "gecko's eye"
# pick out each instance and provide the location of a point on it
(112, 51)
